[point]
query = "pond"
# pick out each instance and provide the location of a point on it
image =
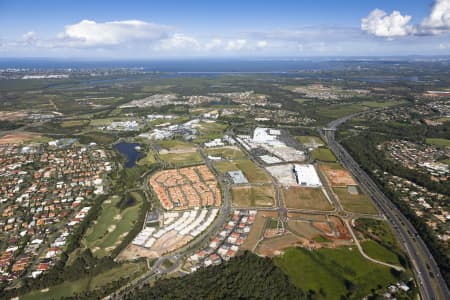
(129, 150)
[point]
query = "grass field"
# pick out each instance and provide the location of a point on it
(378, 252)
(74, 123)
(306, 198)
(253, 173)
(225, 166)
(178, 144)
(148, 159)
(210, 131)
(382, 244)
(88, 283)
(112, 225)
(332, 273)
(309, 139)
(323, 154)
(230, 153)
(182, 159)
(253, 196)
(359, 203)
(438, 142)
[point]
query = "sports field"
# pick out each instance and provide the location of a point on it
(359, 203)
(333, 273)
(113, 224)
(253, 196)
(306, 198)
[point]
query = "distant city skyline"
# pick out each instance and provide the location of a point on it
(189, 29)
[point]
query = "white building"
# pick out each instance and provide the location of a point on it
(306, 175)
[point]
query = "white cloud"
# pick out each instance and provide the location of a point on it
(379, 23)
(262, 44)
(90, 33)
(236, 45)
(439, 19)
(29, 37)
(178, 41)
(214, 44)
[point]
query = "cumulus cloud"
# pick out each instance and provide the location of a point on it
(214, 44)
(90, 33)
(379, 23)
(262, 44)
(178, 41)
(439, 19)
(236, 45)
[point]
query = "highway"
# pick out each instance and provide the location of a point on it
(431, 284)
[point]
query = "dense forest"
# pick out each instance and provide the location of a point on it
(244, 277)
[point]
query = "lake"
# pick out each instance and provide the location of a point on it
(129, 151)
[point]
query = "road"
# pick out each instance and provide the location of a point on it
(431, 284)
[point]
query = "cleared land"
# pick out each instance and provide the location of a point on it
(306, 198)
(336, 175)
(88, 283)
(184, 159)
(359, 203)
(332, 273)
(18, 137)
(323, 154)
(253, 196)
(257, 230)
(112, 225)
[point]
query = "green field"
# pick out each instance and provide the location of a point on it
(210, 131)
(225, 166)
(230, 153)
(112, 225)
(253, 196)
(359, 203)
(88, 283)
(438, 142)
(378, 252)
(382, 244)
(182, 159)
(148, 159)
(333, 273)
(253, 173)
(74, 123)
(178, 144)
(323, 154)
(309, 139)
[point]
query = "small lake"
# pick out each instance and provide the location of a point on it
(129, 151)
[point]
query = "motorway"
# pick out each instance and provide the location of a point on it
(431, 284)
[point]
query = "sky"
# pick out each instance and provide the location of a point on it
(246, 28)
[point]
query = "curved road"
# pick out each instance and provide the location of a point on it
(431, 284)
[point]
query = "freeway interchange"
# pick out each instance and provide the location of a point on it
(431, 284)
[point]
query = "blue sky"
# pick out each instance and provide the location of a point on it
(160, 29)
